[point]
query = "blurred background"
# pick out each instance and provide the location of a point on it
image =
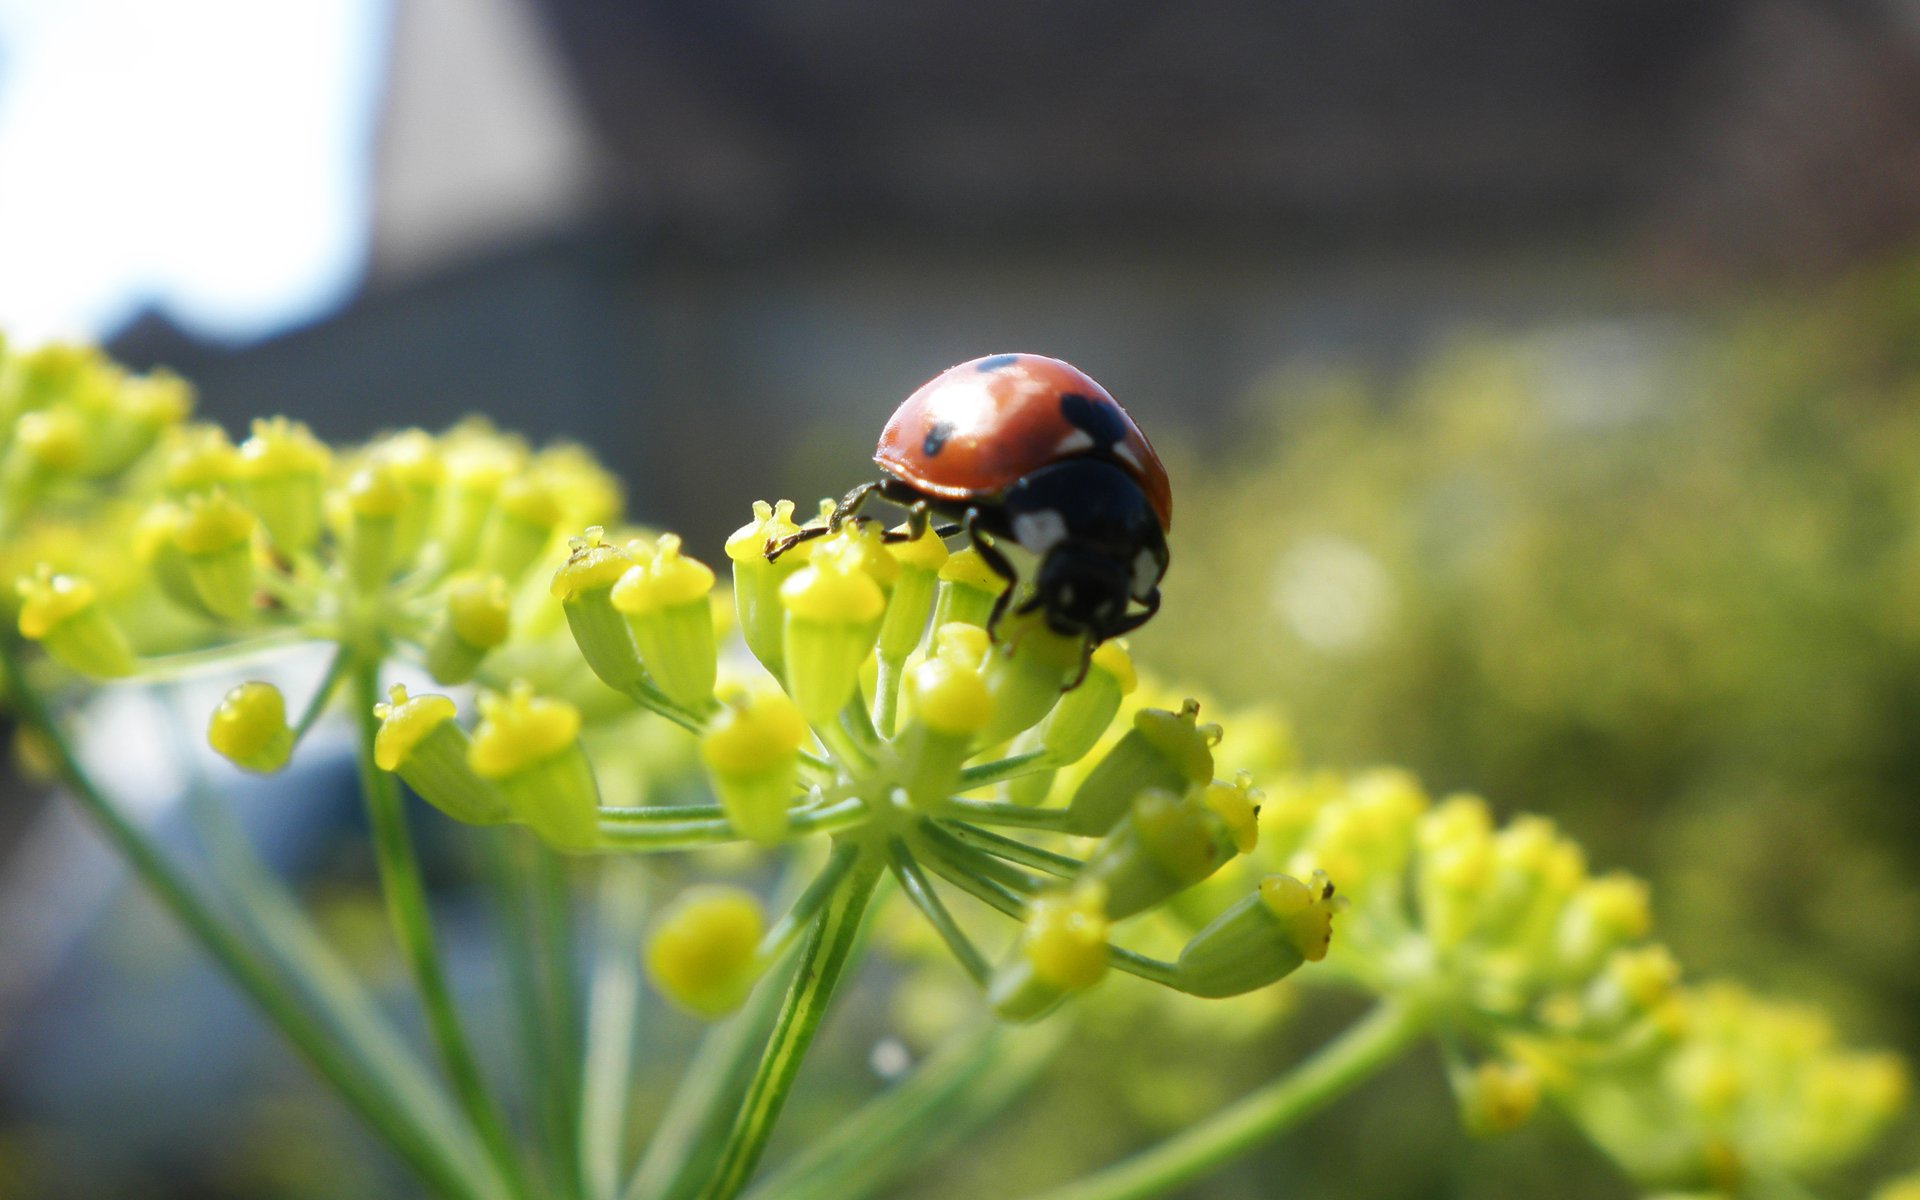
(1540, 383)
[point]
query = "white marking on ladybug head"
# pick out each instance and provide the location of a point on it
(1146, 574)
(1074, 443)
(1127, 455)
(1040, 531)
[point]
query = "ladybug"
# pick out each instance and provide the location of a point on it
(1030, 450)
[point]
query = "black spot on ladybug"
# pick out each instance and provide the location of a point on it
(995, 362)
(937, 435)
(1101, 422)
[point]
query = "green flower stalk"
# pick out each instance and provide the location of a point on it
(375, 499)
(526, 511)
(528, 747)
(250, 728)
(1167, 844)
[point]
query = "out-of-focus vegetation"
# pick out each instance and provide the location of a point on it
(1660, 581)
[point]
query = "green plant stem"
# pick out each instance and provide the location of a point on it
(980, 863)
(919, 889)
(553, 904)
(507, 860)
(388, 1116)
(407, 907)
(829, 949)
(1355, 1056)
(1151, 969)
(1012, 850)
(780, 939)
(994, 812)
(275, 921)
(886, 696)
(157, 667)
(984, 890)
(613, 1006)
(322, 693)
(971, 1077)
(623, 831)
(1003, 769)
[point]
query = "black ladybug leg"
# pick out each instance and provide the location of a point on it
(997, 563)
(848, 508)
(1086, 662)
(918, 517)
(1135, 621)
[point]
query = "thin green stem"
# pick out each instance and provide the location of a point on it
(920, 890)
(981, 863)
(553, 902)
(787, 930)
(407, 907)
(157, 667)
(274, 920)
(1153, 969)
(1002, 769)
(630, 829)
(322, 693)
(984, 890)
(1341, 1065)
(970, 1078)
(828, 952)
(613, 1010)
(654, 814)
(446, 1172)
(1013, 850)
(886, 696)
(508, 862)
(994, 812)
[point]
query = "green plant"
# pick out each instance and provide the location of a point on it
(863, 730)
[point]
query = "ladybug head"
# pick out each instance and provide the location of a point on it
(1082, 590)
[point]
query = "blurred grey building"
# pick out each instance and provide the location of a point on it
(719, 238)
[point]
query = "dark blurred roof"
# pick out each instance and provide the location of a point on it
(731, 119)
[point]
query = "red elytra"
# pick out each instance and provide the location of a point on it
(975, 429)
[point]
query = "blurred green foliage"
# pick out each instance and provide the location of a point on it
(1658, 579)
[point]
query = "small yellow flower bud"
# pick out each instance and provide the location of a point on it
(1164, 845)
(249, 728)
(833, 611)
(1602, 915)
(911, 599)
(526, 512)
(705, 954)
(1085, 713)
(1498, 1097)
(54, 438)
(752, 751)
(214, 535)
(665, 601)
(585, 587)
(476, 619)
(199, 458)
(1237, 804)
(1166, 750)
(374, 500)
(478, 462)
(1262, 938)
(950, 705)
(412, 458)
(756, 582)
(529, 746)
(968, 588)
(283, 469)
(1063, 950)
(63, 613)
(420, 741)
